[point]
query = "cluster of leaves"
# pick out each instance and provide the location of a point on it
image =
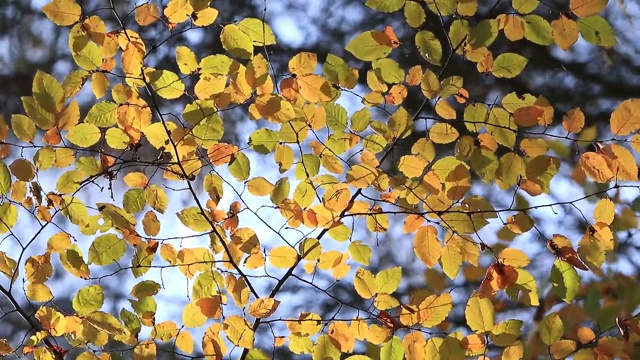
(333, 162)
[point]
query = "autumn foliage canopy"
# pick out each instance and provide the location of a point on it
(121, 175)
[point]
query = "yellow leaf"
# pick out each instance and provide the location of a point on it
(52, 320)
(513, 257)
(573, 121)
(445, 110)
(584, 8)
(412, 166)
(441, 133)
(260, 186)
(604, 211)
(427, 246)
(283, 257)
(145, 350)
(625, 119)
(184, 341)
(451, 259)
(388, 280)
(565, 31)
(307, 324)
(314, 88)
(430, 84)
(263, 307)
(63, 12)
(238, 331)
(596, 166)
(414, 345)
(480, 314)
(342, 337)
(562, 348)
(39, 292)
(434, 309)
(192, 316)
(365, 283)
(146, 14)
(178, 11)
(520, 223)
(303, 63)
(361, 176)
(623, 163)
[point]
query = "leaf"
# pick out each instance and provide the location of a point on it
(259, 32)
(584, 8)
(551, 329)
(427, 246)
(238, 331)
(564, 280)
(23, 127)
(370, 45)
(9, 216)
(392, 349)
(537, 30)
(63, 12)
(604, 211)
(386, 6)
(165, 83)
(194, 219)
(84, 135)
(480, 314)
(237, 42)
(8, 266)
(283, 257)
(508, 65)
(388, 280)
(434, 309)
(263, 307)
(88, 299)
(106, 249)
(565, 31)
(625, 119)
(429, 46)
(597, 30)
(596, 167)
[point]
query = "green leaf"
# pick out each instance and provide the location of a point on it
(88, 57)
(134, 200)
(565, 280)
(9, 216)
(370, 45)
(208, 131)
(508, 65)
(537, 30)
(23, 127)
(337, 117)
(5, 179)
(388, 70)
(484, 33)
(264, 141)
(106, 249)
(193, 219)
(280, 191)
(388, 280)
(84, 135)
(102, 114)
(75, 210)
(308, 166)
(239, 166)
(166, 83)
(145, 288)
(237, 42)
(119, 217)
(392, 349)
(69, 182)
(551, 329)
(259, 32)
(429, 46)
(597, 30)
(386, 6)
(414, 14)
(88, 299)
(524, 6)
